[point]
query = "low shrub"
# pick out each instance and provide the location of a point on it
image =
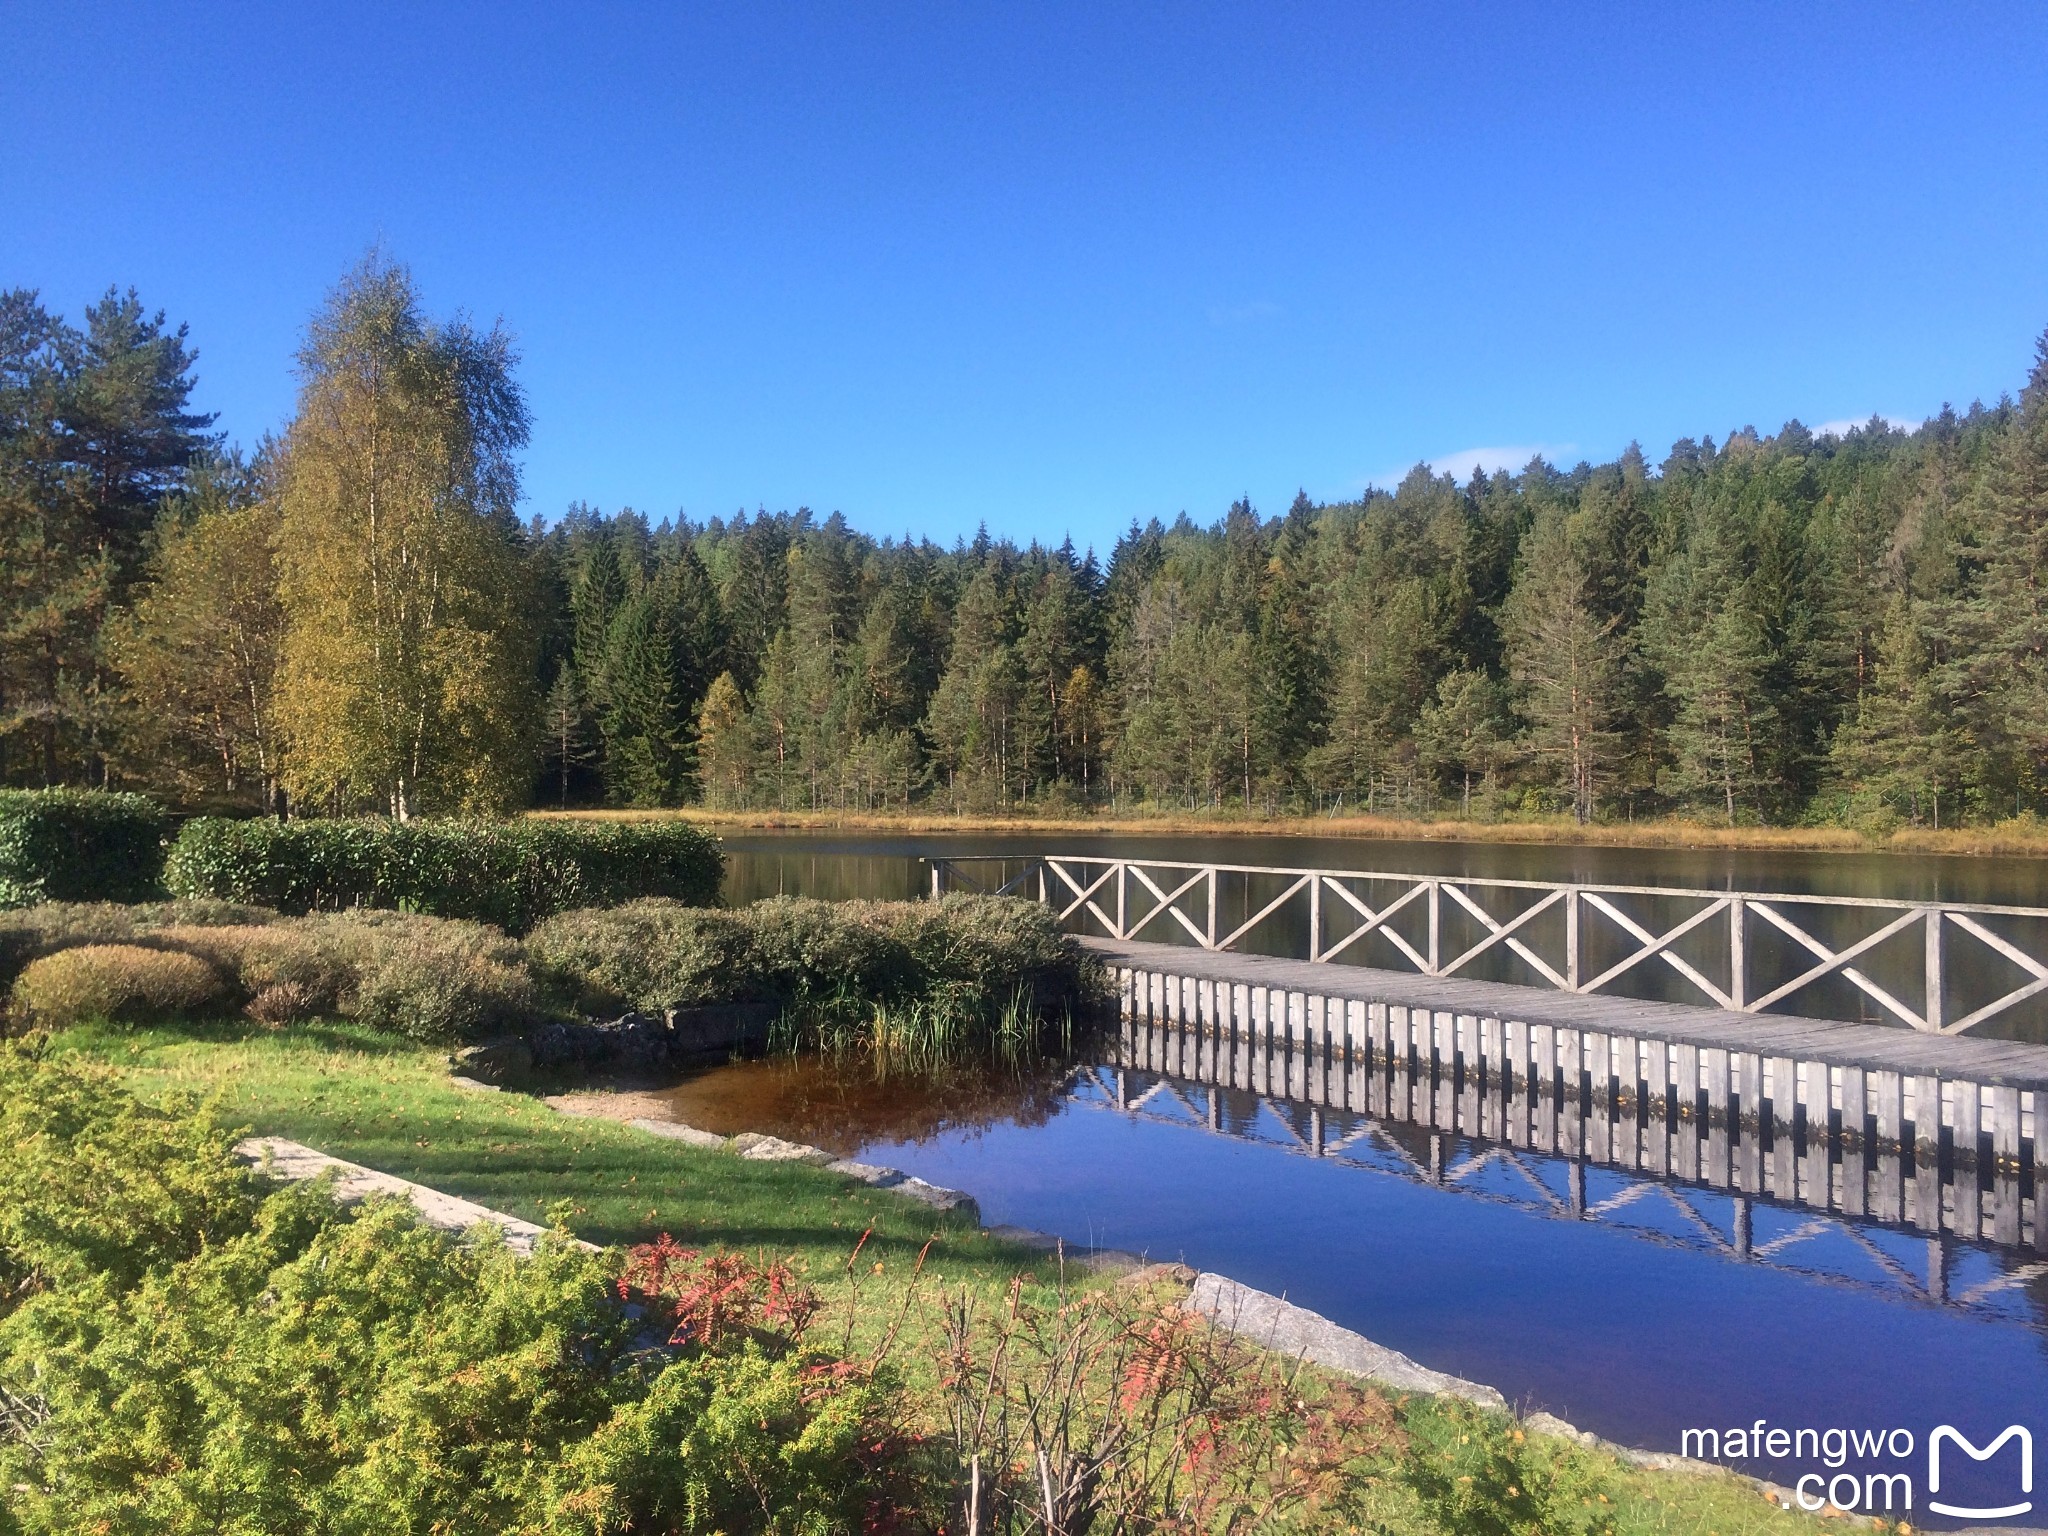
(649, 954)
(510, 874)
(26, 932)
(282, 971)
(127, 983)
(429, 979)
(79, 845)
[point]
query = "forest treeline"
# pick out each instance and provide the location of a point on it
(1841, 628)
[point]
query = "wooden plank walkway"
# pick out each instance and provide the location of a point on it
(1872, 1047)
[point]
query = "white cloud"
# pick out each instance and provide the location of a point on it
(1844, 427)
(1459, 465)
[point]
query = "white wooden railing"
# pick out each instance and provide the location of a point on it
(1941, 953)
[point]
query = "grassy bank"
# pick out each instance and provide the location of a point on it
(2023, 838)
(390, 1105)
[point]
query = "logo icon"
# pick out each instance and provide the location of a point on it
(1962, 1443)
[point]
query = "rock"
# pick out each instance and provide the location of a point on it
(1100, 1261)
(869, 1173)
(647, 1040)
(1550, 1424)
(720, 1027)
(493, 1061)
(675, 1130)
(937, 1196)
(1290, 1330)
(758, 1148)
(291, 1160)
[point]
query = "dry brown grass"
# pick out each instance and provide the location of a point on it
(2024, 838)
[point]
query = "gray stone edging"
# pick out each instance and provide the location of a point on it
(293, 1161)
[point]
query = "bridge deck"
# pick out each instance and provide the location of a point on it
(1871, 1046)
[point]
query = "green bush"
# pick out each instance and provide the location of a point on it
(510, 874)
(79, 845)
(126, 983)
(99, 1185)
(648, 954)
(430, 979)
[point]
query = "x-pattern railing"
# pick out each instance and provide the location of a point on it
(1135, 898)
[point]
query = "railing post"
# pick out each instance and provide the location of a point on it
(1436, 910)
(1042, 892)
(1123, 873)
(1571, 938)
(1315, 917)
(1738, 954)
(1934, 1015)
(1212, 907)
(938, 878)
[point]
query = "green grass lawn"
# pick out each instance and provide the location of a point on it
(390, 1105)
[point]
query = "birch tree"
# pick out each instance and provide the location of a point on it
(406, 668)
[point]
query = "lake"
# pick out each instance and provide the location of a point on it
(1619, 1301)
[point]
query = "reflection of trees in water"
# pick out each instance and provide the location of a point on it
(845, 1102)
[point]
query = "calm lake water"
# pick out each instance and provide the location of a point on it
(1619, 1305)
(1619, 1301)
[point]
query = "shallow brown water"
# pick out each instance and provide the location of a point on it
(841, 1105)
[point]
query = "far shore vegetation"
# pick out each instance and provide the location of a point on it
(2015, 837)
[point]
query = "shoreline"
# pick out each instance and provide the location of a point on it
(2012, 840)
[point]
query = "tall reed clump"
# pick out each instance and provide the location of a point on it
(969, 974)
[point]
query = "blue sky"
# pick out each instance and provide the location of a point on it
(1056, 267)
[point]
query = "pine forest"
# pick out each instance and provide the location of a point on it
(1761, 629)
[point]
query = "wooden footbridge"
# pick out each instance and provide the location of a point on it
(1830, 1051)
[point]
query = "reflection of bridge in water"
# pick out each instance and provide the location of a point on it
(1716, 1150)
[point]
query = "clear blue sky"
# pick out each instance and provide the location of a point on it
(1054, 267)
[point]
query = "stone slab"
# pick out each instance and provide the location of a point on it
(759, 1148)
(1279, 1325)
(293, 1161)
(675, 1130)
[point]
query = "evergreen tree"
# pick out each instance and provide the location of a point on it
(1462, 732)
(1565, 661)
(55, 573)
(565, 730)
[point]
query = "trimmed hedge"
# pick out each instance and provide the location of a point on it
(511, 874)
(79, 845)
